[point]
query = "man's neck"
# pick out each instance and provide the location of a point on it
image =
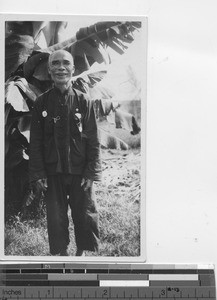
(63, 87)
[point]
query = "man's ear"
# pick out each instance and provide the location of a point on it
(49, 73)
(73, 70)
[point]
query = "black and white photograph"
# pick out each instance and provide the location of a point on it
(75, 137)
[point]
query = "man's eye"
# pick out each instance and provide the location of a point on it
(66, 63)
(55, 63)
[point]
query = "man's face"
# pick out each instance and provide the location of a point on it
(61, 67)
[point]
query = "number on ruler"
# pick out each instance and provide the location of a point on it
(163, 292)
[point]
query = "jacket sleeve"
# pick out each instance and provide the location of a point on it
(93, 168)
(36, 161)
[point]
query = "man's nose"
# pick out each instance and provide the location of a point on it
(61, 66)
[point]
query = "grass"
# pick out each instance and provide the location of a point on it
(119, 223)
(26, 237)
(119, 215)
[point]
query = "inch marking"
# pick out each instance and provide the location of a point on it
(122, 293)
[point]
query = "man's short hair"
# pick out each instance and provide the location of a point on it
(56, 51)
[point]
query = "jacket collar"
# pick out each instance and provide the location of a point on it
(67, 92)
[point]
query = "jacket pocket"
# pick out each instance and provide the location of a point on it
(78, 151)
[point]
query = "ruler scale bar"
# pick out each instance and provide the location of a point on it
(118, 292)
(106, 281)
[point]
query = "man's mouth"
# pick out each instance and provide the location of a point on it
(61, 74)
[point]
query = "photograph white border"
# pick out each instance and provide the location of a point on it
(34, 17)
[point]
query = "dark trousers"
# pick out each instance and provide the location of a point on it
(65, 191)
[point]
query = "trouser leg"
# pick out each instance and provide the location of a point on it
(84, 215)
(57, 218)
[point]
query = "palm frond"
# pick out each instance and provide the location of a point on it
(89, 45)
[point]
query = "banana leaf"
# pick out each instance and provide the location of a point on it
(21, 40)
(17, 91)
(89, 45)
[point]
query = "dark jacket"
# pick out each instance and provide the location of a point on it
(64, 136)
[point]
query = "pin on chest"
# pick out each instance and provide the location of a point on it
(77, 116)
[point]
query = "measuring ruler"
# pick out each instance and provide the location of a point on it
(62, 281)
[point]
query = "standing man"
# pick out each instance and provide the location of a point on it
(65, 158)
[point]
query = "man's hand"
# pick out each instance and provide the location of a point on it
(39, 187)
(42, 184)
(86, 183)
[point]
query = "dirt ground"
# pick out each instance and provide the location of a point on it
(121, 172)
